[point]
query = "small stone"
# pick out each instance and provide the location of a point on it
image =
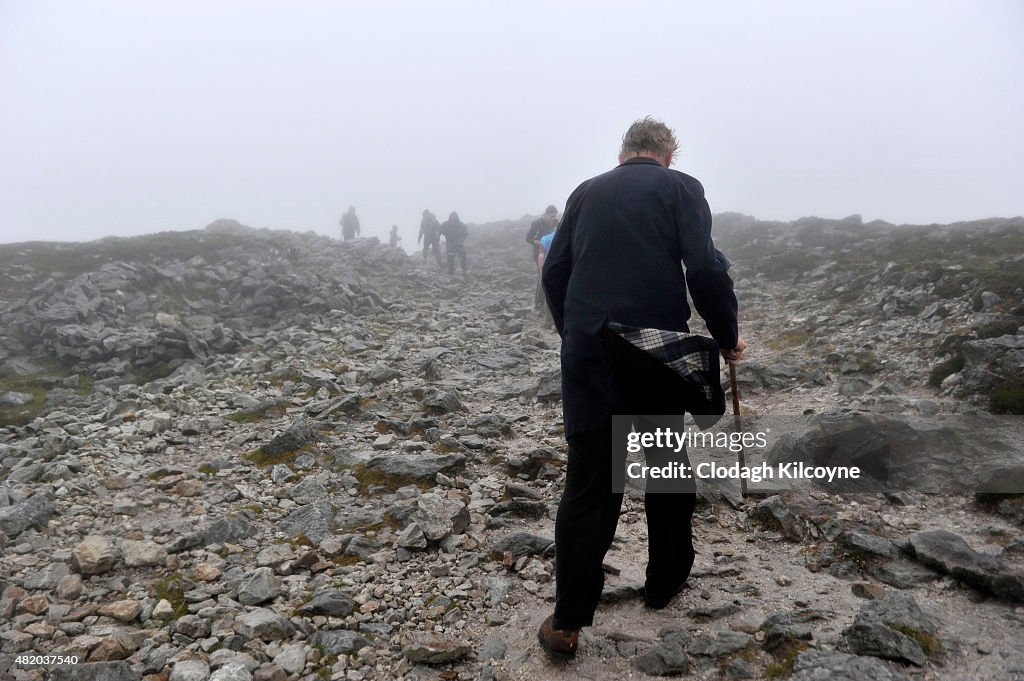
(339, 641)
(435, 651)
(69, 588)
(867, 590)
(163, 609)
(205, 572)
(330, 602)
(123, 611)
(192, 626)
(386, 441)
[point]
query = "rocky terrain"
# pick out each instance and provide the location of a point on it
(237, 454)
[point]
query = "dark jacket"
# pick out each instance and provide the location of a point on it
(617, 257)
(429, 228)
(454, 232)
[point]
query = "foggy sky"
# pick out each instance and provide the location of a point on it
(129, 118)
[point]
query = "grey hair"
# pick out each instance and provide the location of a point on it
(649, 135)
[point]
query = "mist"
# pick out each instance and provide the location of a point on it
(131, 118)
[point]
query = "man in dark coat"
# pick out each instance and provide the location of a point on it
(430, 234)
(455, 234)
(540, 228)
(349, 224)
(618, 257)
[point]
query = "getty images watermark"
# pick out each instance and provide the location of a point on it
(666, 440)
(836, 451)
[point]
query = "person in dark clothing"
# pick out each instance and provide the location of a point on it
(455, 234)
(618, 257)
(349, 224)
(430, 235)
(540, 228)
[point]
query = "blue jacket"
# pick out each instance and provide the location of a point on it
(618, 255)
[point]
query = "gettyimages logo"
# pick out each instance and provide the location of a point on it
(839, 452)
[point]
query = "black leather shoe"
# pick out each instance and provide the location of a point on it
(659, 602)
(559, 644)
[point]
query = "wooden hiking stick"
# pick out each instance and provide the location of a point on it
(738, 421)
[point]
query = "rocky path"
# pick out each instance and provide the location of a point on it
(367, 491)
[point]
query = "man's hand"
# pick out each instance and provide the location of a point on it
(736, 354)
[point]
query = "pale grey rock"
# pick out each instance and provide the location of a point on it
(815, 665)
(94, 555)
(33, 512)
(142, 553)
(232, 671)
(263, 624)
(190, 670)
(947, 552)
(260, 587)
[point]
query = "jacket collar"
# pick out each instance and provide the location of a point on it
(640, 159)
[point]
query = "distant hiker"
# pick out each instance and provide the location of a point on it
(540, 227)
(430, 235)
(455, 234)
(612, 277)
(394, 238)
(349, 224)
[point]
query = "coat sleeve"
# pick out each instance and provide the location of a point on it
(707, 268)
(531, 235)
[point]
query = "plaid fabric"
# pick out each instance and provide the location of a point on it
(690, 355)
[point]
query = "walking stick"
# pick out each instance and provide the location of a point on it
(738, 421)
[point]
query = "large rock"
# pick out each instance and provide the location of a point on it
(330, 602)
(94, 556)
(263, 624)
(297, 436)
(229, 529)
(190, 670)
(947, 552)
(898, 610)
(522, 544)
(339, 641)
(142, 553)
(260, 587)
(991, 361)
(414, 468)
(928, 454)
(33, 512)
(816, 665)
(775, 515)
(312, 520)
(438, 517)
(663, 659)
(878, 640)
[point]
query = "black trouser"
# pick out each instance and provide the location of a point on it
(589, 510)
(585, 526)
(435, 244)
(454, 249)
